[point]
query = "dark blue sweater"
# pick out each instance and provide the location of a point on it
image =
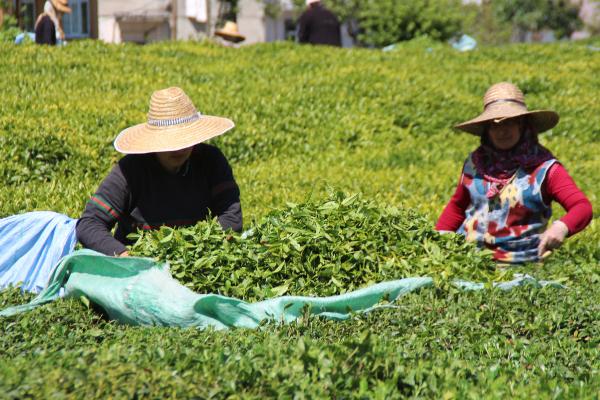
(140, 194)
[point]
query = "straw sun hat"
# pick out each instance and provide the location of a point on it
(173, 124)
(230, 32)
(504, 101)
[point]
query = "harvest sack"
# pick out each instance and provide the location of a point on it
(31, 245)
(140, 291)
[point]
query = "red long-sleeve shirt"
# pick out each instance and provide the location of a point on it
(558, 186)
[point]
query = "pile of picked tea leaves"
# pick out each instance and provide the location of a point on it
(315, 248)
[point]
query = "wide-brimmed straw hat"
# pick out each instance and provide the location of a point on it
(230, 32)
(61, 6)
(173, 124)
(504, 101)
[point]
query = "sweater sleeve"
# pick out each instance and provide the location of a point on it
(559, 186)
(454, 213)
(224, 193)
(102, 212)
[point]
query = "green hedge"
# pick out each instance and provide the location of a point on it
(307, 119)
(384, 22)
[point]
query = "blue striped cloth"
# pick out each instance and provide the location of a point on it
(31, 245)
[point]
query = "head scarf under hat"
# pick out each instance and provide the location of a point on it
(499, 166)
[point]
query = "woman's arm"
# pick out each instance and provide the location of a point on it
(225, 193)
(101, 213)
(454, 213)
(559, 186)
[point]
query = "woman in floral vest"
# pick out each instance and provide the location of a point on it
(503, 199)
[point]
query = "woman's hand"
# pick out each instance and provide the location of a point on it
(124, 254)
(553, 237)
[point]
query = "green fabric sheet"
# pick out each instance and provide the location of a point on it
(140, 291)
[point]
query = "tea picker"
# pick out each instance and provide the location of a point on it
(506, 187)
(168, 177)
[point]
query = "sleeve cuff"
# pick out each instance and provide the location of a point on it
(115, 249)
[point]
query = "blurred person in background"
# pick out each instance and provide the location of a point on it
(47, 27)
(318, 25)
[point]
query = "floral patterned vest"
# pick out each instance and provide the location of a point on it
(511, 222)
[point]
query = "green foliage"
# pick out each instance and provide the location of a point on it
(345, 9)
(8, 29)
(38, 161)
(307, 118)
(534, 15)
(314, 248)
(481, 22)
(384, 22)
(452, 344)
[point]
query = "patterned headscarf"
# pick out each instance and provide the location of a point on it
(499, 166)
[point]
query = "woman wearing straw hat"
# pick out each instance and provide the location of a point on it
(503, 199)
(168, 177)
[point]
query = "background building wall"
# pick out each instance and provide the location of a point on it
(196, 27)
(139, 21)
(250, 20)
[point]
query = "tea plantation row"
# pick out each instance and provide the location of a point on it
(308, 119)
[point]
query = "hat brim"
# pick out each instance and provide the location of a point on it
(234, 37)
(541, 120)
(144, 138)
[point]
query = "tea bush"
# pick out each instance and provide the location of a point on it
(8, 28)
(385, 22)
(307, 119)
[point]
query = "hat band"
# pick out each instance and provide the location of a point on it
(174, 121)
(505, 101)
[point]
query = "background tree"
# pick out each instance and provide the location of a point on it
(8, 23)
(383, 22)
(377, 23)
(560, 16)
(481, 23)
